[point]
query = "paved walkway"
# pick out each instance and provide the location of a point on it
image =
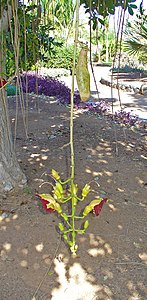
(136, 103)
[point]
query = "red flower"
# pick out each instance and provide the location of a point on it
(2, 82)
(97, 208)
(44, 204)
(95, 205)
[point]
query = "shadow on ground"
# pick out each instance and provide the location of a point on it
(111, 259)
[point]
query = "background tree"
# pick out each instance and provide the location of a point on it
(10, 172)
(136, 36)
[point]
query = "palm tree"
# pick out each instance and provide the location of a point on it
(59, 12)
(136, 37)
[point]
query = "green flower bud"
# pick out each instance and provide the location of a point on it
(75, 189)
(86, 224)
(55, 174)
(61, 227)
(65, 237)
(75, 201)
(59, 187)
(57, 194)
(65, 217)
(58, 208)
(70, 243)
(87, 210)
(85, 190)
(58, 191)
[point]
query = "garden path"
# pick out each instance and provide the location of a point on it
(130, 101)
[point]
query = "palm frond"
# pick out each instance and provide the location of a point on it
(136, 38)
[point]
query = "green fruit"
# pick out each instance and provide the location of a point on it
(82, 75)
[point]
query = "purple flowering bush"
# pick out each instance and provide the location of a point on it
(47, 86)
(123, 117)
(53, 87)
(99, 107)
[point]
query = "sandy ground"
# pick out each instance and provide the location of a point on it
(111, 259)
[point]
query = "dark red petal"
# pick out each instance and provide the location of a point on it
(98, 207)
(2, 82)
(44, 204)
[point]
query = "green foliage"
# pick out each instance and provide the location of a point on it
(136, 37)
(62, 57)
(127, 69)
(39, 43)
(102, 8)
(3, 6)
(63, 11)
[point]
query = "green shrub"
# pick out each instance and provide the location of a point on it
(62, 58)
(127, 69)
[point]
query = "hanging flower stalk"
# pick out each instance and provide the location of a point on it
(60, 194)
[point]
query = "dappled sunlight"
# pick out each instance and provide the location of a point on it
(25, 251)
(99, 247)
(44, 150)
(37, 157)
(102, 161)
(46, 259)
(143, 257)
(120, 190)
(103, 149)
(77, 113)
(134, 292)
(77, 284)
(108, 173)
(112, 207)
(21, 254)
(139, 181)
(94, 252)
(7, 246)
(101, 258)
(120, 227)
(69, 280)
(135, 258)
(7, 219)
(24, 264)
(39, 247)
(111, 254)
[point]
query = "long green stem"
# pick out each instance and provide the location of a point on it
(71, 128)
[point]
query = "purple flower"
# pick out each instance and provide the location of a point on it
(47, 86)
(125, 118)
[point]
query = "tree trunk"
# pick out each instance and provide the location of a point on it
(10, 172)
